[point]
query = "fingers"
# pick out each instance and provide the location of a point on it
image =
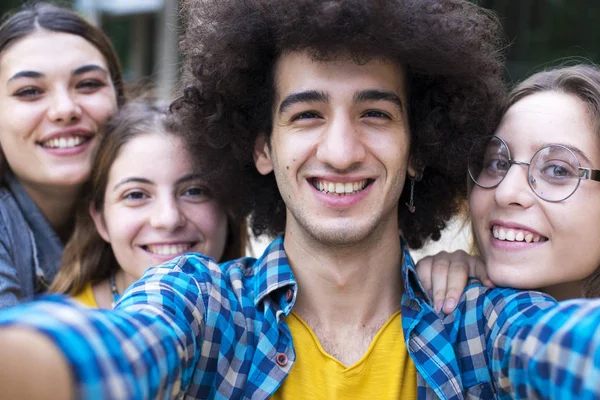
(424, 272)
(444, 277)
(456, 283)
(439, 279)
(478, 269)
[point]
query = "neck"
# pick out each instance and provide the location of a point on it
(57, 204)
(358, 285)
(564, 291)
(103, 292)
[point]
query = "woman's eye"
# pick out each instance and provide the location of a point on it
(196, 192)
(90, 84)
(135, 196)
(28, 92)
(496, 164)
(559, 171)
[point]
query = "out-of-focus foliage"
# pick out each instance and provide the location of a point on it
(542, 33)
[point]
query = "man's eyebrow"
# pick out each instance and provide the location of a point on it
(26, 74)
(131, 179)
(377, 95)
(309, 96)
(87, 68)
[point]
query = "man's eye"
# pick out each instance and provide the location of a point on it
(376, 114)
(305, 115)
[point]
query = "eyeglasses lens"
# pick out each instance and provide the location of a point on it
(553, 173)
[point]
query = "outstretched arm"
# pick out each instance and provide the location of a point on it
(147, 349)
(557, 357)
(26, 354)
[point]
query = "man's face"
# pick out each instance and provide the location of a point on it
(339, 147)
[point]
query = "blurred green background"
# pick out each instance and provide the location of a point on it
(539, 33)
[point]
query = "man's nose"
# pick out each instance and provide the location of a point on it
(341, 143)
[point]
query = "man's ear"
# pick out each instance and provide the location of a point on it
(99, 222)
(414, 172)
(262, 155)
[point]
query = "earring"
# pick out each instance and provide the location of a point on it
(411, 202)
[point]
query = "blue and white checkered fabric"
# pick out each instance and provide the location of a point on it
(198, 330)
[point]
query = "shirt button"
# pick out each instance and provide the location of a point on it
(281, 359)
(289, 295)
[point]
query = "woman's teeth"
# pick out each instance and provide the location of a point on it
(516, 235)
(168, 249)
(64, 142)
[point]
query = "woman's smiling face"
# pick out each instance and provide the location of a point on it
(157, 207)
(564, 235)
(52, 109)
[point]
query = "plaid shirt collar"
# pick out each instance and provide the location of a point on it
(273, 276)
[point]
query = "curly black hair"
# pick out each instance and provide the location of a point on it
(452, 51)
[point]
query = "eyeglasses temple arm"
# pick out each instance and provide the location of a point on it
(590, 173)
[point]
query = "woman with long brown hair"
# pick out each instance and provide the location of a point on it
(534, 193)
(60, 80)
(146, 202)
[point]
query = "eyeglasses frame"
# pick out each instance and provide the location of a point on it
(584, 173)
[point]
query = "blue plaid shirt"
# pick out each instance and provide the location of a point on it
(195, 329)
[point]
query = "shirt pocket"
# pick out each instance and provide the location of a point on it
(483, 390)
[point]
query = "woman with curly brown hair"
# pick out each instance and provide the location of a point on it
(316, 112)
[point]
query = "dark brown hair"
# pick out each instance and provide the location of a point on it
(450, 48)
(583, 82)
(44, 16)
(87, 257)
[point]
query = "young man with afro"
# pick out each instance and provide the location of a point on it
(341, 127)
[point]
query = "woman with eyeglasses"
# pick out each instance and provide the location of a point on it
(534, 200)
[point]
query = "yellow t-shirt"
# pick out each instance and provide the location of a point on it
(86, 296)
(386, 371)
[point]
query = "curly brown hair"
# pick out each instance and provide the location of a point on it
(451, 49)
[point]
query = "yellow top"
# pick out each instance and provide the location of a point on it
(386, 371)
(86, 296)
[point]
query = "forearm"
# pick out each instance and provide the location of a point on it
(33, 367)
(557, 356)
(137, 354)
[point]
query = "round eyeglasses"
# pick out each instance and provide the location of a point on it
(554, 172)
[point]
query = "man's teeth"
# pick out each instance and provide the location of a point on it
(168, 249)
(515, 235)
(64, 142)
(340, 188)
